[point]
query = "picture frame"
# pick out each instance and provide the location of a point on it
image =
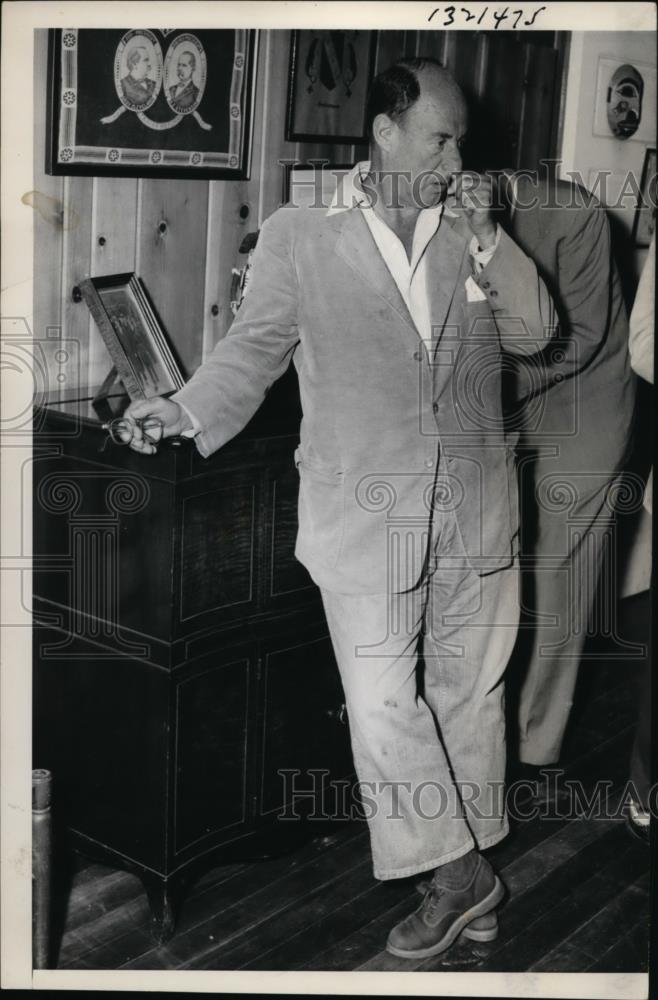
(133, 334)
(644, 222)
(145, 102)
(330, 72)
(301, 187)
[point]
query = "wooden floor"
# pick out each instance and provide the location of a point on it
(578, 888)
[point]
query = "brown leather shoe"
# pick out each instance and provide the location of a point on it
(444, 913)
(481, 929)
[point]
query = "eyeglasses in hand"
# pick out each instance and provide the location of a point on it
(122, 431)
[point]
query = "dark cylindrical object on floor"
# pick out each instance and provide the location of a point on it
(41, 867)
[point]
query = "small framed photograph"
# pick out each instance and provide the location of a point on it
(308, 185)
(150, 103)
(133, 335)
(645, 212)
(330, 72)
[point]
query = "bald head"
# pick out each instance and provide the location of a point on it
(398, 88)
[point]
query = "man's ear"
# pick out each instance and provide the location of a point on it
(384, 130)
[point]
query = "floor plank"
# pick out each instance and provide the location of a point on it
(258, 894)
(619, 912)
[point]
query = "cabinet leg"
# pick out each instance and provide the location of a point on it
(163, 899)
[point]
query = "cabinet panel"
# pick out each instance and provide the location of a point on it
(288, 580)
(218, 540)
(301, 724)
(212, 738)
(103, 548)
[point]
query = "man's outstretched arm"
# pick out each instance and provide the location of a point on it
(227, 389)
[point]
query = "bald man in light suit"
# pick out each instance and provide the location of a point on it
(396, 311)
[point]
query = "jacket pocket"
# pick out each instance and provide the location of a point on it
(321, 510)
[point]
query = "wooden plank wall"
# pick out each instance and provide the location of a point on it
(183, 237)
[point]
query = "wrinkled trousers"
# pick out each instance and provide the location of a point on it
(422, 673)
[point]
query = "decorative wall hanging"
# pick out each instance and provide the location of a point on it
(330, 72)
(625, 99)
(142, 102)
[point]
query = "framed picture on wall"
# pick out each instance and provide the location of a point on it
(133, 335)
(330, 72)
(645, 212)
(150, 103)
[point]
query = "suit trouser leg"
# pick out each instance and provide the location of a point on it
(472, 625)
(572, 538)
(411, 757)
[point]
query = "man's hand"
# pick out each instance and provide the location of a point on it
(471, 194)
(172, 417)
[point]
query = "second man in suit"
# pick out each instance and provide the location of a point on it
(576, 409)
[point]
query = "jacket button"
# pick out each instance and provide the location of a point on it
(417, 355)
(486, 284)
(429, 462)
(493, 293)
(435, 407)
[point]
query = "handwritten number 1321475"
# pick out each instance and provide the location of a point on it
(456, 15)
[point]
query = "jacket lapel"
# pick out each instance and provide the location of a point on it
(357, 247)
(445, 261)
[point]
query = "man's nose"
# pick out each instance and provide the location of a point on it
(453, 161)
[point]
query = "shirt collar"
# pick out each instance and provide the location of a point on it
(350, 194)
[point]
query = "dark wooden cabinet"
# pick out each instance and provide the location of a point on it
(184, 681)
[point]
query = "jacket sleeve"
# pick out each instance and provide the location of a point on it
(227, 389)
(585, 284)
(518, 298)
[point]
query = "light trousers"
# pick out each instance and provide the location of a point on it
(566, 597)
(422, 674)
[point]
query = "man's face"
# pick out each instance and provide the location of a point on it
(427, 141)
(184, 68)
(143, 67)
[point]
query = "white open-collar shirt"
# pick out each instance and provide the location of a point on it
(409, 275)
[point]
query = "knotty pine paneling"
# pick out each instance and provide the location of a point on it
(171, 245)
(113, 234)
(76, 264)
